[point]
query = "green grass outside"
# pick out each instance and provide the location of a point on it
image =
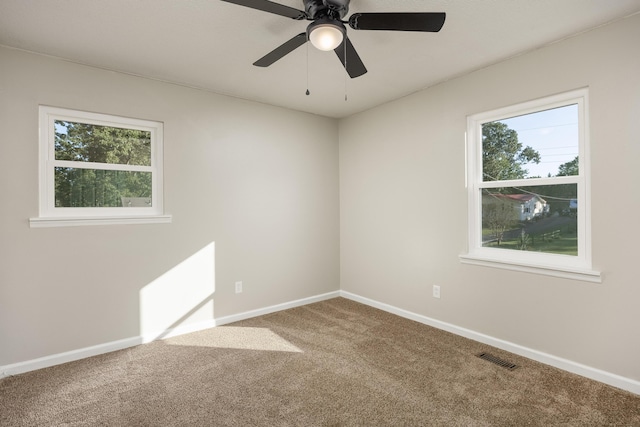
(566, 244)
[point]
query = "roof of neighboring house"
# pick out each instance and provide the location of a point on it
(518, 197)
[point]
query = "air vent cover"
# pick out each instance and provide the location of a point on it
(497, 361)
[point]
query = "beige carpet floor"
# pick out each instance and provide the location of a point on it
(332, 363)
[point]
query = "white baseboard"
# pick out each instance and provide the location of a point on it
(275, 308)
(67, 356)
(624, 383)
(609, 378)
(70, 356)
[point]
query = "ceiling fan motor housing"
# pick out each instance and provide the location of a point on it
(327, 31)
(336, 9)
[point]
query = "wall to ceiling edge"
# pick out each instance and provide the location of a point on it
(403, 205)
(252, 193)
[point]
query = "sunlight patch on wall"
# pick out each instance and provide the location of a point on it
(234, 337)
(180, 298)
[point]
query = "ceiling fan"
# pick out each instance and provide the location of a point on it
(328, 32)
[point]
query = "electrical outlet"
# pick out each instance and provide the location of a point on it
(238, 287)
(436, 291)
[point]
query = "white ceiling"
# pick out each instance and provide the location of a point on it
(210, 44)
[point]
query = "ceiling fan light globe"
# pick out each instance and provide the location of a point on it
(326, 37)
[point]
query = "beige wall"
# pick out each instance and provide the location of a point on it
(253, 191)
(404, 202)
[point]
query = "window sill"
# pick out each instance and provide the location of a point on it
(42, 222)
(586, 275)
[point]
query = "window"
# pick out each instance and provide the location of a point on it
(98, 169)
(527, 171)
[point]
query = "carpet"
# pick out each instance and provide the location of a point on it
(331, 363)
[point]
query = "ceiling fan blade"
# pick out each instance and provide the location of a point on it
(429, 22)
(282, 50)
(271, 7)
(352, 63)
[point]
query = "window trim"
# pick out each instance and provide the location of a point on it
(578, 267)
(51, 216)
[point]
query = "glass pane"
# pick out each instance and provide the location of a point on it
(533, 218)
(542, 144)
(82, 142)
(81, 188)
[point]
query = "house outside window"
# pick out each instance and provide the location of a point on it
(527, 169)
(98, 169)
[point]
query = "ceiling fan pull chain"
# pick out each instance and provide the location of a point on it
(307, 92)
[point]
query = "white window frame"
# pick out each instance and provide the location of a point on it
(52, 216)
(574, 267)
